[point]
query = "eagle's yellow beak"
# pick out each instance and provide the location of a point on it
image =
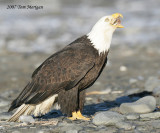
(116, 22)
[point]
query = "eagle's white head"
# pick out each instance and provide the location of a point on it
(101, 33)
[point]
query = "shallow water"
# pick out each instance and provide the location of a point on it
(62, 21)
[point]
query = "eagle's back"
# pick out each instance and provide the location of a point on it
(61, 71)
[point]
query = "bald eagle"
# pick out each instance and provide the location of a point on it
(66, 74)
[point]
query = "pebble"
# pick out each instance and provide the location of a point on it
(132, 91)
(26, 119)
(1, 127)
(107, 118)
(123, 68)
(141, 129)
(156, 91)
(41, 131)
(16, 132)
(124, 125)
(132, 80)
(147, 116)
(146, 104)
(156, 124)
(132, 116)
(112, 118)
(70, 128)
(151, 83)
(72, 131)
(140, 78)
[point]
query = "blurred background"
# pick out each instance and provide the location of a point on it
(29, 36)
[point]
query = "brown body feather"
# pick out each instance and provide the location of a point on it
(66, 73)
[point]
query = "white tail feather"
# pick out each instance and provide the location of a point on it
(36, 110)
(23, 109)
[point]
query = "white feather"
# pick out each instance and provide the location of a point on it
(45, 106)
(36, 110)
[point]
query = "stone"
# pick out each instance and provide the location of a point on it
(112, 118)
(72, 131)
(26, 119)
(141, 129)
(132, 80)
(70, 128)
(146, 104)
(147, 116)
(158, 102)
(151, 83)
(156, 91)
(140, 78)
(156, 124)
(16, 132)
(124, 125)
(132, 91)
(123, 68)
(107, 118)
(1, 127)
(41, 131)
(132, 116)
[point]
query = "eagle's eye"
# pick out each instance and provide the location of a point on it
(107, 19)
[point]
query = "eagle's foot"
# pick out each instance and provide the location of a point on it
(79, 116)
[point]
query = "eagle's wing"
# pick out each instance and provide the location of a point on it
(63, 70)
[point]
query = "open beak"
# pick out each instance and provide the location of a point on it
(116, 22)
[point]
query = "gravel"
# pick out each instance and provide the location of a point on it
(156, 124)
(69, 128)
(5, 115)
(131, 69)
(72, 131)
(4, 102)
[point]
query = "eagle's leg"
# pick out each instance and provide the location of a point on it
(78, 115)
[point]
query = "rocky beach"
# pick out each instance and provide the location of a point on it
(125, 98)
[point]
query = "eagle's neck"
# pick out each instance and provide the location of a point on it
(100, 40)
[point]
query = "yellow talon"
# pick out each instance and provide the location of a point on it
(74, 116)
(78, 115)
